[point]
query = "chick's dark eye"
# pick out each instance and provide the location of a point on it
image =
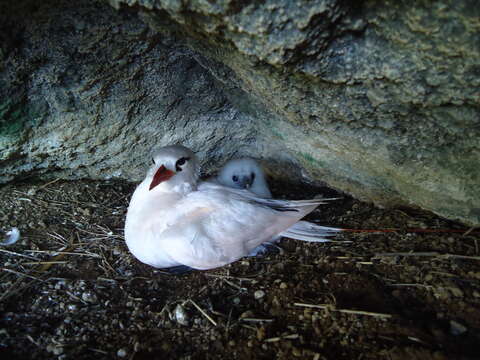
(235, 178)
(252, 175)
(180, 162)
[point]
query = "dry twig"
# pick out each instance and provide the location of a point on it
(202, 312)
(346, 311)
(428, 254)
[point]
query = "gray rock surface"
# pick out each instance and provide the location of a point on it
(379, 99)
(88, 91)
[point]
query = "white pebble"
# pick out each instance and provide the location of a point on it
(121, 353)
(456, 328)
(89, 297)
(259, 294)
(12, 237)
(181, 315)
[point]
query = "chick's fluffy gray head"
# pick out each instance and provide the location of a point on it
(240, 173)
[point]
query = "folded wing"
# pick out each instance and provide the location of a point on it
(218, 225)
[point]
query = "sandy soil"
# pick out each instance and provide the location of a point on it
(69, 289)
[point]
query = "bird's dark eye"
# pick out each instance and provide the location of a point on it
(235, 178)
(180, 162)
(153, 161)
(252, 175)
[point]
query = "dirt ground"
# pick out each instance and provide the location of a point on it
(69, 289)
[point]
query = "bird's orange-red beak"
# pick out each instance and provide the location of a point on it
(162, 174)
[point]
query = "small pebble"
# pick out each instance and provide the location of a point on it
(259, 294)
(457, 292)
(296, 352)
(121, 353)
(11, 237)
(89, 297)
(181, 315)
(247, 314)
(456, 328)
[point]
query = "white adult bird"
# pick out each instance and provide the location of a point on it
(244, 173)
(174, 221)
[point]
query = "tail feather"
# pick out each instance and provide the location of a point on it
(292, 205)
(310, 232)
(303, 206)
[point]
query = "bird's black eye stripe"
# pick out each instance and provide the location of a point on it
(180, 162)
(235, 178)
(153, 160)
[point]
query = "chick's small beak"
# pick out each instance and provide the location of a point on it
(246, 182)
(161, 175)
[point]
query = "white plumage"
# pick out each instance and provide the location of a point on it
(172, 220)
